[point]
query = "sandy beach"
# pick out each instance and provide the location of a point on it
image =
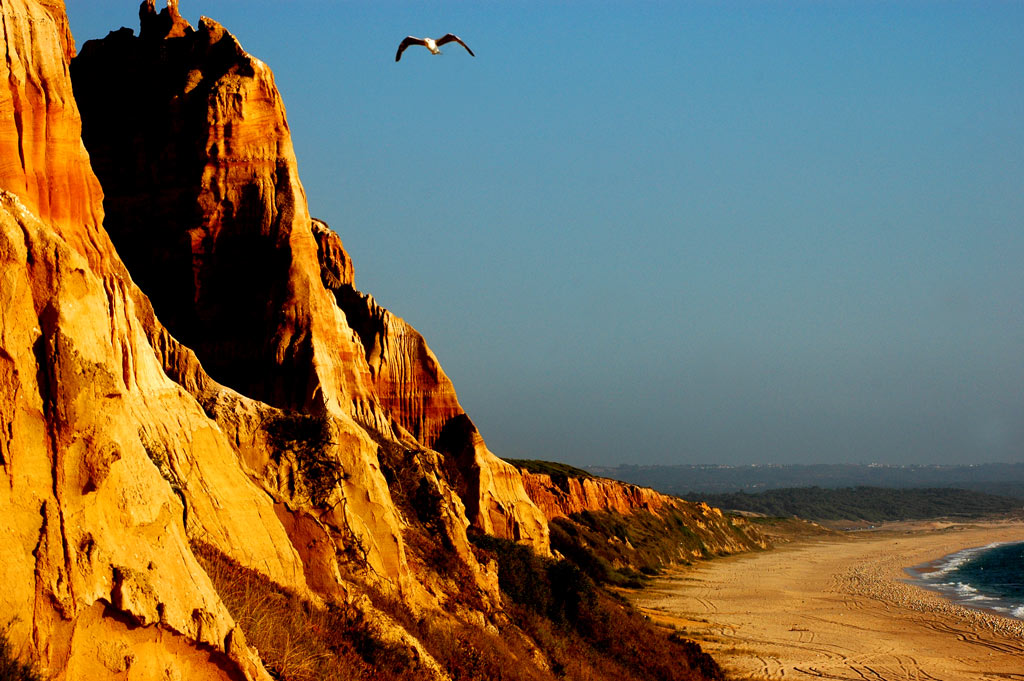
(839, 609)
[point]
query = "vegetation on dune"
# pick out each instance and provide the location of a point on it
(872, 504)
(1011, 489)
(585, 632)
(622, 549)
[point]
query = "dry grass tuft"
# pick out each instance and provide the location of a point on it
(300, 642)
(556, 624)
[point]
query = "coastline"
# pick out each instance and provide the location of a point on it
(935, 576)
(843, 607)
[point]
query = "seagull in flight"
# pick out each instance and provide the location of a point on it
(431, 44)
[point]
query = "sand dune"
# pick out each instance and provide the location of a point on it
(838, 609)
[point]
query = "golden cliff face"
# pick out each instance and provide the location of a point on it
(42, 158)
(97, 568)
(118, 452)
(566, 498)
(97, 561)
(212, 197)
(325, 449)
(227, 202)
(575, 495)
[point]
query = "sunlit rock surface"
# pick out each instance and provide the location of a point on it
(224, 384)
(94, 438)
(568, 496)
(203, 201)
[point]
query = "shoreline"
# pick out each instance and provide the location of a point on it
(843, 607)
(888, 581)
(918, 576)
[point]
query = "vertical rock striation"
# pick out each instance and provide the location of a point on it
(189, 136)
(42, 158)
(97, 445)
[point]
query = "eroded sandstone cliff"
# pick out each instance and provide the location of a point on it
(635, 526)
(112, 470)
(282, 424)
(42, 158)
(97, 569)
(571, 495)
(202, 191)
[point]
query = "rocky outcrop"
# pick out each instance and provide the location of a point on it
(336, 269)
(574, 495)
(580, 501)
(492, 489)
(189, 137)
(42, 159)
(202, 193)
(421, 401)
(407, 378)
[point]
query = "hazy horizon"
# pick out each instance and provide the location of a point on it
(661, 233)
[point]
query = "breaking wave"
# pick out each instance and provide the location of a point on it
(987, 577)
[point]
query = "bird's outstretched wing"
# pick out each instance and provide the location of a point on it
(452, 38)
(411, 40)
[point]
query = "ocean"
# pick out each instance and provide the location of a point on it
(985, 578)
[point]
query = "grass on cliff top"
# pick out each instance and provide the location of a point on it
(552, 468)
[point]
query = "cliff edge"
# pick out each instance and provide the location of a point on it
(214, 450)
(189, 137)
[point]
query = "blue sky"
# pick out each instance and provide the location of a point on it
(667, 232)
